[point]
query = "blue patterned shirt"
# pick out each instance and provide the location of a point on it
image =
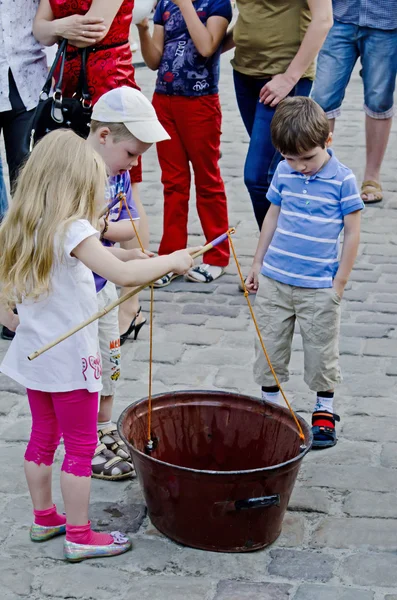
(304, 248)
(183, 71)
(378, 14)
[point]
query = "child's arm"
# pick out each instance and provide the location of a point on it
(118, 231)
(351, 242)
(8, 318)
(151, 47)
(208, 37)
(132, 254)
(134, 272)
(268, 228)
(228, 42)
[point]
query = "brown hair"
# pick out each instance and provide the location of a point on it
(299, 125)
(118, 130)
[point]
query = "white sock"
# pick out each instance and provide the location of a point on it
(274, 397)
(326, 404)
(103, 424)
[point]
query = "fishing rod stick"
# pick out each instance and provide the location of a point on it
(122, 299)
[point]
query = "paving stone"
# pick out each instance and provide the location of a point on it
(107, 516)
(371, 406)
(210, 309)
(365, 331)
(15, 577)
(348, 477)
(176, 318)
(391, 597)
(88, 582)
(232, 590)
(191, 375)
(236, 378)
(309, 500)
(356, 533)
(91, 583)
(371, 504)
(196, 336)
(229, 324)
(7, 402)
(327, 592)
(301, 564)
(388, 456)
(9, 385)
(376, 569)
(381, 347)
(217, 356)
(369, 429)
(169, 352)
(388, 319)
(369, 385)
(18, 432)
(12, 480)
(155, 555)
(346, 452)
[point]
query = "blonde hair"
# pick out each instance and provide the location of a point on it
(58, 185)
(118, 130)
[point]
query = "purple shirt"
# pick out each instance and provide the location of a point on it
(120, 184)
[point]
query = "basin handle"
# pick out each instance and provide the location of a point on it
(261, 502)
(237, 505)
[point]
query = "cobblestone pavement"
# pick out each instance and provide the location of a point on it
(339, 539)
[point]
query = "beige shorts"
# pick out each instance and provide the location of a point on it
(318, 312)
(109, 340)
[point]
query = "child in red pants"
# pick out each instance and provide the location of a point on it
(185, 48)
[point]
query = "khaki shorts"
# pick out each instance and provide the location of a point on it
(109, 340)
(318, 312)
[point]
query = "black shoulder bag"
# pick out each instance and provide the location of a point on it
(55, 112)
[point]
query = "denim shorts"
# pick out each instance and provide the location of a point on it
(377, 49)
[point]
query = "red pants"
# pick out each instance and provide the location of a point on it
(194, 125)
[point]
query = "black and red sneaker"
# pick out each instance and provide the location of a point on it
(323, 429)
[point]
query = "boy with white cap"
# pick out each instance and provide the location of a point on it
(124, 125)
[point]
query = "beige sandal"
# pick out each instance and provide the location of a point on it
(372, 188)
(111, 467)
(109, 436)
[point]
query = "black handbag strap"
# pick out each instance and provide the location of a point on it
(82, 87)
(60, 52)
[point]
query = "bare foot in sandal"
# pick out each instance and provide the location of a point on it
(371, 192)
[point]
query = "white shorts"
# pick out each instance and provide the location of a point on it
(109, 340)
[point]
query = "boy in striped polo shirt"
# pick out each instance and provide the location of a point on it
(296, 271)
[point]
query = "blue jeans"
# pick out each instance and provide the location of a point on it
(262, 158)
(377, 49)
(3, 194)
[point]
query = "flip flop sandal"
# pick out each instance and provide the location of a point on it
(323, 429)
(113, 468)
(374, 188)
(166, 280)
(200, 269)
(115, 443)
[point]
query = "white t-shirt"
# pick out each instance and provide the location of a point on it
(75, 363)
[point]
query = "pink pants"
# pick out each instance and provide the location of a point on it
(72, 415)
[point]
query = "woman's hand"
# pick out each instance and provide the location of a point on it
(276, 89)
(80, 29)
(136, 253)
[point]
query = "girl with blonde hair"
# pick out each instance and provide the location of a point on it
(49, 249)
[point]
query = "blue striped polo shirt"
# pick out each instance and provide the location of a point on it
(305, 245)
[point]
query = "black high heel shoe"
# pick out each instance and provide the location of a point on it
(133, 328)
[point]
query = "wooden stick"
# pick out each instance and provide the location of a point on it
(120, 300)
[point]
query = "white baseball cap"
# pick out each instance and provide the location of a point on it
(129, 106)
